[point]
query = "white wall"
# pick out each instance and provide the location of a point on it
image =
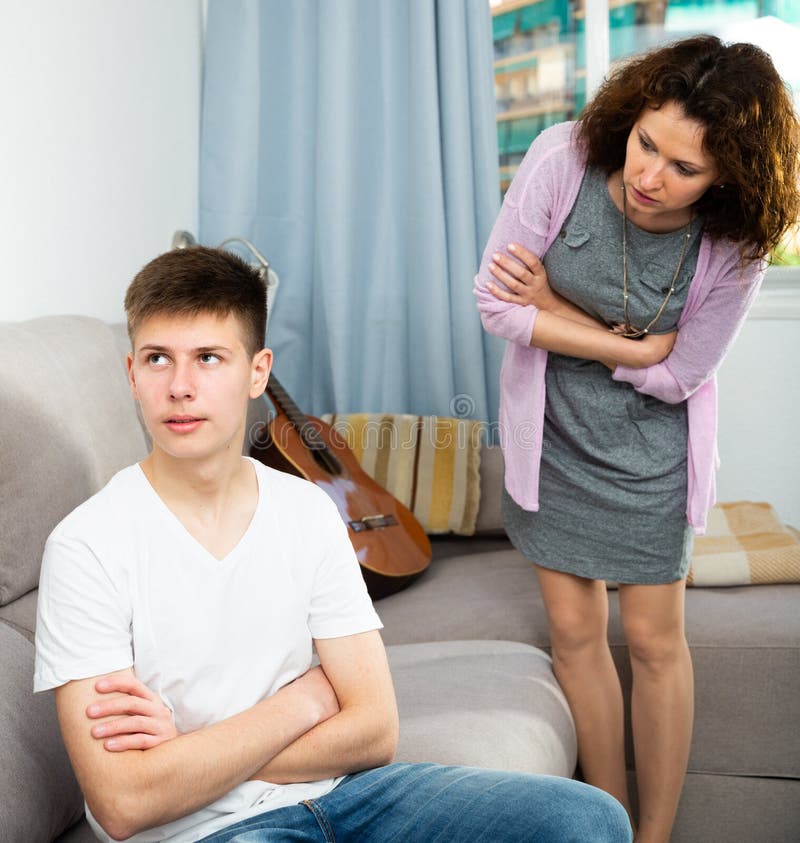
(759, 407)
(99, 109)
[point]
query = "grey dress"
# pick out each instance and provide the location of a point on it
(613, 482)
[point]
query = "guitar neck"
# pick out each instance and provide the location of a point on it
(284, 403)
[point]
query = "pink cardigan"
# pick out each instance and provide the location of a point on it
(721, 292)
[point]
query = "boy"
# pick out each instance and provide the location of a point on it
(179, 607)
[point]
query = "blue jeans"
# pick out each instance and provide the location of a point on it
(423, 803)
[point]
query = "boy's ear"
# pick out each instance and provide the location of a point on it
(259, 372)
(131, 376)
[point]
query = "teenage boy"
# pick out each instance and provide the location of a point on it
(179, 607)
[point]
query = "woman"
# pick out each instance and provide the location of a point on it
(628, 251)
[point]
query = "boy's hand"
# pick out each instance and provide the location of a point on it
(318, 692)
(140, 718)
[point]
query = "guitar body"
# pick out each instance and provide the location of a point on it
(391, 545)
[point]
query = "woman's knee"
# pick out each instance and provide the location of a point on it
(653, 622)
(655, 647)
(577, 608)
(574, 633)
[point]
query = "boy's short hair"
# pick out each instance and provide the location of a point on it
(186, 282)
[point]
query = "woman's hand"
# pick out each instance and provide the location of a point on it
(141, 720)
(648, 349)
(656, 347)
(524, 278)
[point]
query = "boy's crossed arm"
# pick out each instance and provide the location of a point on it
(363, 734)
(338, 718)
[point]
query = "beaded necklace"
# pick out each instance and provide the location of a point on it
(630, 331)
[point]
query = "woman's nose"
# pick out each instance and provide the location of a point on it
(650, 178)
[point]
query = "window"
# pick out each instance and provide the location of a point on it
(539, 76)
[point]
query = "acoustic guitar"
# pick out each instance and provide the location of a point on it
(391, 545)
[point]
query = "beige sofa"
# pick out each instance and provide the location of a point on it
(68, 423)
(466, 641)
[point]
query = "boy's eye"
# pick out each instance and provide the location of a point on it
(209, 358)
(157, 359)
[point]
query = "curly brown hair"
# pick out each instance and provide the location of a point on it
(751, 131)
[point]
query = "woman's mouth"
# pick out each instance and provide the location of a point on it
(642, 198)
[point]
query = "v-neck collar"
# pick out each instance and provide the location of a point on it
(171, 517)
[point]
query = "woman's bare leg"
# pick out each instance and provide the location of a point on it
(662, 702)
(577, 611)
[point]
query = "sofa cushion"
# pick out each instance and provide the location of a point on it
(730, 809)
(475, 595)
(68, 424)
(482, 704)
(745, 645)
(79, 833)
(490, 518)
(39, 796)
(21, 613)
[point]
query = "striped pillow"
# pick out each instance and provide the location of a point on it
(429, 463)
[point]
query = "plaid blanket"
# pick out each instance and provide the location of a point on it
(745, 544)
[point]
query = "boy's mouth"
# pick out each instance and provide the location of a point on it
(183, 424)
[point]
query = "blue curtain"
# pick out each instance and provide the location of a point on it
(354, 142)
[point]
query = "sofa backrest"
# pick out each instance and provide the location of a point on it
(67, 423)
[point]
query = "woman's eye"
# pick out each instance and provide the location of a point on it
(683, 170)
(645, 143)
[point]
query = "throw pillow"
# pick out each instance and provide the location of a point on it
(429, 463)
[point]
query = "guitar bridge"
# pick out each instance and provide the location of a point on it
(372, 522)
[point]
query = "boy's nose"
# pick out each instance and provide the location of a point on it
(182, 385)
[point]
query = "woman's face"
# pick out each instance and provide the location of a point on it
(666, 168)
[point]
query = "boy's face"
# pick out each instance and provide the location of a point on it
(193, 378)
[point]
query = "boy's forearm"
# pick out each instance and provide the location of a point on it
(363, 733)
(139, 789)
(355, 739)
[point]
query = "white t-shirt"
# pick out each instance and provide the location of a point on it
(123, 583)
